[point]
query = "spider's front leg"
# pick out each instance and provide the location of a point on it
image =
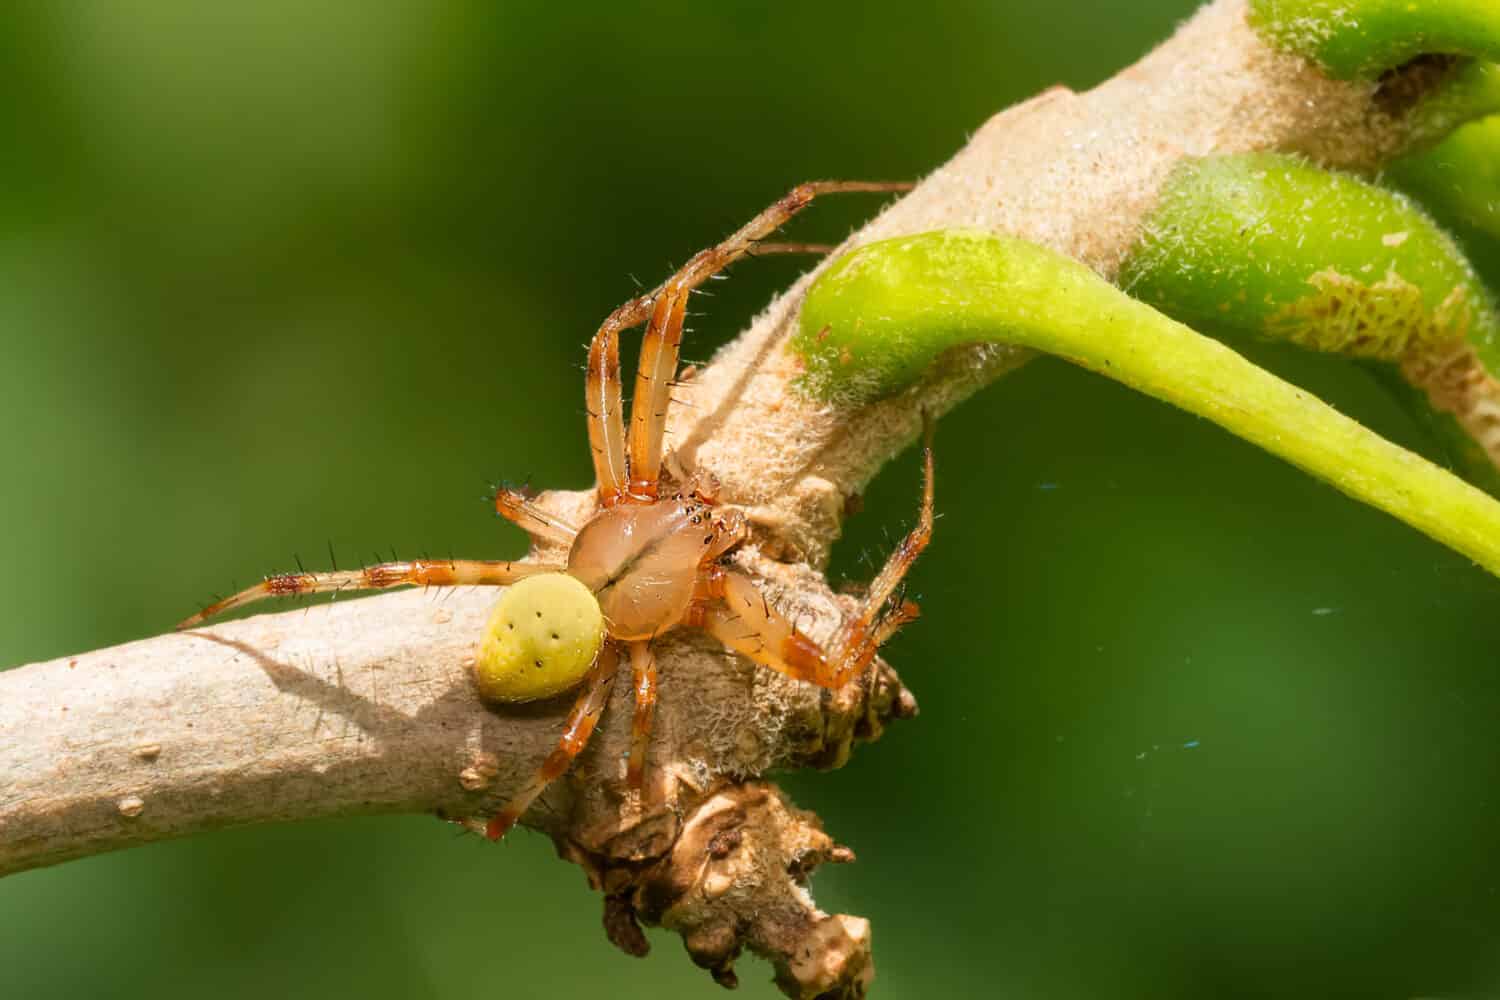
(416, 573)
(665, 308)
(663, 340)
(742, 619)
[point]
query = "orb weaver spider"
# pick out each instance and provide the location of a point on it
(652, 557)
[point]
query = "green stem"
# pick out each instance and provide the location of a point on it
(1269, 245)
(1471, 93)
(880, 315)
(1362, 38)
(1459, 179)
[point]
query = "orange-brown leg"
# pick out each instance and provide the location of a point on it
(653, 386)
(744, 620)
(643, 674)
(666, 307)
(576, 733)
(894, 620)
(601, 393)
(855, 645)
(530, 518)
(417, 573)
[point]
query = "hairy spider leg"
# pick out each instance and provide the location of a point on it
(857, 641)
(900, 615)
(601, 394)
(576, 732)
(416, 573)
(643, 675)
(530, 518)
(741, 618)
(663, 339)
(660, 349)
(659, 352)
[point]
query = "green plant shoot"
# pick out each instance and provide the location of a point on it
(1354, 38)
(878, 317)
(1460, 178)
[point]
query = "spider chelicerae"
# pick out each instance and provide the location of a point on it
(652, 557)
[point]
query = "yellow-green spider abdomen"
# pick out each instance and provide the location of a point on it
(541, 639)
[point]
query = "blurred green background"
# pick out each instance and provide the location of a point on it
(276, 273)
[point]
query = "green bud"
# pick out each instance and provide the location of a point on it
(1268, 244)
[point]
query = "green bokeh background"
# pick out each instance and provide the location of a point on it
(276, 274)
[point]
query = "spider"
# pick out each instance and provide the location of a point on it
(653, 557)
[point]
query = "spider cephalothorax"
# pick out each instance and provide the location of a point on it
(643, 559)
(651, 558)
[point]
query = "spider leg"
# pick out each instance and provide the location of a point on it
(894, 620)
(659, 350)
(855, 645)
(576, 732)
(532, 519)
(643, 674)
(419, 573)
(601, 393)
(653, 385)
(742, 619)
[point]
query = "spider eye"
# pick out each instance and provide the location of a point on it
(541, 639)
